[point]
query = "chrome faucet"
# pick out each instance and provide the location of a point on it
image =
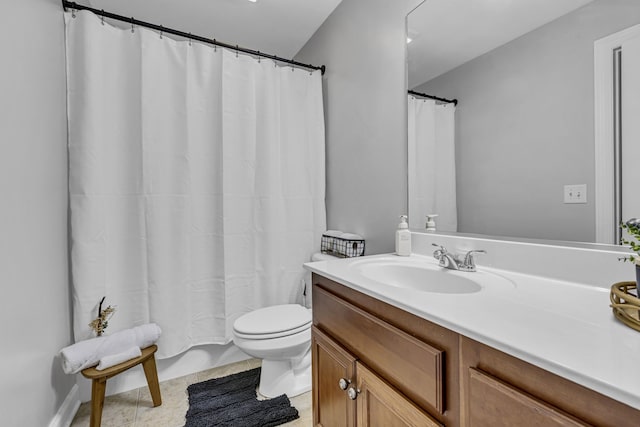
(453, 262)
(446, 259)
(469, 263)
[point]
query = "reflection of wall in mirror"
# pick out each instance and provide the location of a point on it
(525, 124)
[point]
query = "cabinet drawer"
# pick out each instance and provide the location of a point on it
(379, 404)
(495, 403)
(410, 365)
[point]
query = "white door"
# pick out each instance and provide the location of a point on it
(617, 132)
(630, 129)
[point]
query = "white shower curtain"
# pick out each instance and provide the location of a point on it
(196, 181)
(432, 169)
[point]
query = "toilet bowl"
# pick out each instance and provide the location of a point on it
(281, 336)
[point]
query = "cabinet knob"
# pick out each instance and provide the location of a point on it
(353, 393)
(343, 383)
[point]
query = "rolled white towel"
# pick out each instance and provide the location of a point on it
(147, 334)
(85, 354)
(114, 359)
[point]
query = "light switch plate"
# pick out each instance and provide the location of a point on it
(575, 193)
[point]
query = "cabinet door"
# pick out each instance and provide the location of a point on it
(331, 364)
(409, 364)
(494, 403)
(379, 404)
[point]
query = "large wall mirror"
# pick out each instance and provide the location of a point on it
(525, 157)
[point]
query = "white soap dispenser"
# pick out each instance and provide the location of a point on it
(431, 223)
(403, 237)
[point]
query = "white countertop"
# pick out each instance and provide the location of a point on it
(564, 327)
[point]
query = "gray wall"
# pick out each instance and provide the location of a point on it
(525, 127)
(34, 285)
(363, 45)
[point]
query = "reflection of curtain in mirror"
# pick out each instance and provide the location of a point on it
(432, 170)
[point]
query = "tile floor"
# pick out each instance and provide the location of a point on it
(134, 408)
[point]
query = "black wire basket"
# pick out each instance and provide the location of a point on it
(340, 247)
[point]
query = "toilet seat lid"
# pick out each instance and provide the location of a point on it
(273, 321)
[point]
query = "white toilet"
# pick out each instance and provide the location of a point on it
(280, 335)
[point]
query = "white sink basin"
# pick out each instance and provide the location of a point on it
(426, 277)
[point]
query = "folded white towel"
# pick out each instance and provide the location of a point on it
(84, 354)
(351, 236)
(333, 233)
(322, 257)
(114, 359)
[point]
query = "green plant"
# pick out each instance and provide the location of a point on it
(633, 229)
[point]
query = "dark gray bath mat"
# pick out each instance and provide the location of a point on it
(232, 401)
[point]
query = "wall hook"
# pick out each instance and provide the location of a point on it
(73, 13)
(132, 29)
(161, 29)
(189, 39)
(215, 46)
(236, 51)
(102, 17)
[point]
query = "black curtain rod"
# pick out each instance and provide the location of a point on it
(73, 5)
(424, 95)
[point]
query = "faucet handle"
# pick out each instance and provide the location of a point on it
(439, 246)
(438, 252)
(469, 264)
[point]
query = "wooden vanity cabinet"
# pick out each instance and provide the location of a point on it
(379, 404)
(500, 390)
(331, 364)
(395, 360)
(347, 394)
(492, 402)
(407, 371)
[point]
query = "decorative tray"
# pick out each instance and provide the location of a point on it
(625, 304)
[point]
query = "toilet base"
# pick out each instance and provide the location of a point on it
(290, 377)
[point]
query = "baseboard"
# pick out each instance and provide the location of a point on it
(67, 410)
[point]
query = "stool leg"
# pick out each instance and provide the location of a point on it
(98, 387)
(151, 373)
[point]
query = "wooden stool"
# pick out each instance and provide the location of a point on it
(99, 381)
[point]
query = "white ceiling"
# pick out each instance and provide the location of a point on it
(276, 27)
(448, 33)
(445, 33)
